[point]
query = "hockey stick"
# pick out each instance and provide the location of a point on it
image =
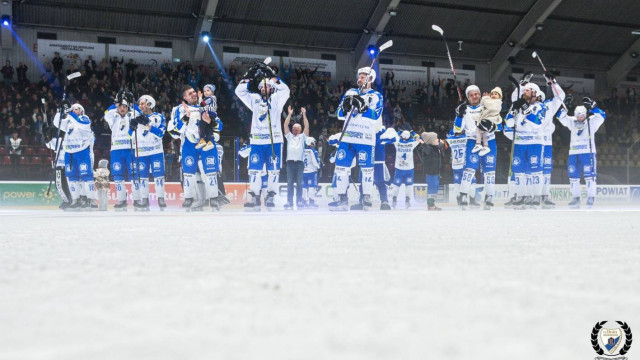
(439, 30)
(593, 170)
(57, 150)
(513, 142)
(382, 47)
(555, 90)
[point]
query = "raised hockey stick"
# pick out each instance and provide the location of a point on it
(439, 30)
(382, 47)
(593, 170)
(57, 150)
(515, 125)
(553, 85)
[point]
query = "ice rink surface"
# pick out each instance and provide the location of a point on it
(396, 285)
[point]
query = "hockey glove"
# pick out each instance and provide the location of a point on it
(461, 109)
(250, 74)
(521, 104)
(589, 103)
(142, 120)
(128, 96)
(526, 77)
(548, 75)
(133, 124)
(568, 101)
(65, 107)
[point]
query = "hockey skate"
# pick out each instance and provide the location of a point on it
(208, 147)
(473, 203)
(488, 202)
(93, 205)
(222, 200)
(356, 207)
(301, 204)
(187, 203)
(74, 206)
(270, 200)
(312, 204)
(458, 199)
(431, 205)
(162, 204)
(142, 205)
(385, 206)
(463, 201)
(535, 202)
(484, 151)
(518, 203)
(546, 203)
(509, 204)
(477, 148)
(253, 204)
(213, 203)
(63, 205)
(575, 203)
(407, 202)
(120, 206)
(201, 144)
(394, 202)
(366, 202)
(288, 206)
(197, 205)
(84, 203)
(341, 204)
(590, 202)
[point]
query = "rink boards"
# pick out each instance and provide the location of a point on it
(34, 193)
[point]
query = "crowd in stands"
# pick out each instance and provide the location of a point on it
(430, 108)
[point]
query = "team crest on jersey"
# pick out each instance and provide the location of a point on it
(255, 158)
(516, 160)
(189, 160)
(362, 155)
(341, 155)
(83, 167)
(142, 165)
(534, 159)
(490, 159)
(157, 165)
(117, 166)
(68, 168)
(572, 169)
(473, 158)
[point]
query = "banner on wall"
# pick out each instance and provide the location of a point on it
(148, 58)
(446, 73)
(325, 69)
(561, 194)
(243, 61)
(580, 87)
(409, 77)
(68, 51)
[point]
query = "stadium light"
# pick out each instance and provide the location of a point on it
(6, 20)
(205, 36)
(372, 50)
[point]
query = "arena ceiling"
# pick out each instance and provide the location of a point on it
(584, 34)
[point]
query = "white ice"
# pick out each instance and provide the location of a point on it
(315, 285)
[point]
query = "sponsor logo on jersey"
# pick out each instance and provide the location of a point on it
(83, 167)
(255, 158)
(548, 160)
(189, 160)
(211, 160)
(157, 165)
(68, 168)
(490, 159)
(611, 342)
(341, 154)
(354, 134)
(362, 155)
(533, 159)
(117, 166)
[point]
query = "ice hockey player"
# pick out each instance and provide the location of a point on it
(149, 128)
(363, 107)
(310, 174)
(431, 152)
(205, 129)
(458, 146)
(266, 129)
(404, 167)
(123, 166)
(467, 114)
(62, 186)
(488, 120)
(101, 175)
(77, 158)
(582, 149)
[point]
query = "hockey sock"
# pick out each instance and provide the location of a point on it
(74, 189)
(341, 179)
(408, 191)
(159, 181)
(255, 181)
(189, 185)
(467, 178)
(591, 186)
(212, 185)
(121, 190)
(89, 188)
(144, 188)
(521, 184)
(490, 183)
(512, 186)
(135, 185)
(367, 180)
(201, 191)
(272, 182)
(382, 189)
(395, 189)
(537, 183)
(305, 194)
(575, 187)
(546, 187)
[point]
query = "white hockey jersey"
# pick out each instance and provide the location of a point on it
(458, 145)
(150, 141)
(362, 128)
(404, 153)
(311, 162)
(468, 123)
(119, 126)
(580, 134)
(52, 145)
(78, 133)
(260, 134)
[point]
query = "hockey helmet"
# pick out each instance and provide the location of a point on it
(405, 135)
(77, 106)
(367, 70)
(471, 88)
(310, 141)
(151, 103)
(533, 87)
(580, 111)
(542, 96)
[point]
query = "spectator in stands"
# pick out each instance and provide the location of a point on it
(115, 64)
(90, 66)
(57, 63)
(7, 74)
(15, 151)
(21, 70)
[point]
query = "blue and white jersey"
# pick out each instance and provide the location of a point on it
(580, 131)
(548, 127)
(150, 141)
(78, 133)
(362, 127)
(220, 149)
(529, 124)
(458, 145)
(189, 131)
(404, 153)
(119, 126)
(260, 133)
(311, 162)
(468, 123)
(52, 145)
